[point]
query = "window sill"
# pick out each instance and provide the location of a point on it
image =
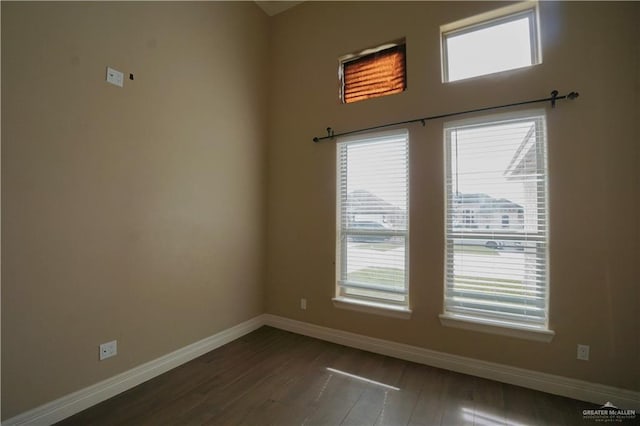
(372, 308)
(494, 327)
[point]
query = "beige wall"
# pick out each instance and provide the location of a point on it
(594, 175)
(138, 214)
(134, 214)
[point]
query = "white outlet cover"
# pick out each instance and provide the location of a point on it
(583, 352)
(115, 77)
(109, 349)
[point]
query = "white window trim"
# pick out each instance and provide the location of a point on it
(501, 328)
(486, 325)
(488, 19)
(390, 309)
(500, 116)
(372, 307)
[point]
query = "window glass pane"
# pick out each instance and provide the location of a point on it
(376, 259)
(490, 48)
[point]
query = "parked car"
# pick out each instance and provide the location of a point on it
(368, 226)
(490, 244)
(504, 245)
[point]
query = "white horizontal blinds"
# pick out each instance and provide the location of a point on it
(497, 221)
(372, 217)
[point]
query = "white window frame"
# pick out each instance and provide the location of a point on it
(488, 323)
(489, 19)
(361, 303)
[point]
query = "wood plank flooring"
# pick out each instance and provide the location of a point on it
(272, 377)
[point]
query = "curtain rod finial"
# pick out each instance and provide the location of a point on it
(573, 95)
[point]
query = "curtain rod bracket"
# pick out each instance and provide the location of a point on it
(329, 135)
(330, 132)
(424, 122)
(554, 95)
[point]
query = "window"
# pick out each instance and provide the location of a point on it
(373, 73)
(500, 40)
(372, 220)
(497, 222)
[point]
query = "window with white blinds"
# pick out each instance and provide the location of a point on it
(497, 222)
(372, 218)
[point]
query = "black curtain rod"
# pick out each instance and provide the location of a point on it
(553, 98)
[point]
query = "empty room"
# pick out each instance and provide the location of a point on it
(320, 213)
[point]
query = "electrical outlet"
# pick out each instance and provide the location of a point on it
(303, 304)
(109, 349)
(583, 352)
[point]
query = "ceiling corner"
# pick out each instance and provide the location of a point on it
(272, 8)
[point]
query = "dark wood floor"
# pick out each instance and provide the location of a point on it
(272, 377)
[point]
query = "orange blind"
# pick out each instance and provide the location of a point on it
(378, 74)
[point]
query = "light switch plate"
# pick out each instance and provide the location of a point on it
(115, 77)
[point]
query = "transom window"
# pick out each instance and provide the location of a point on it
(497, 222)
(372, 73)
(497, 41)
(372, 219)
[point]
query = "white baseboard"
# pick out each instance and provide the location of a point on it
(557, 385)
(73, 403)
